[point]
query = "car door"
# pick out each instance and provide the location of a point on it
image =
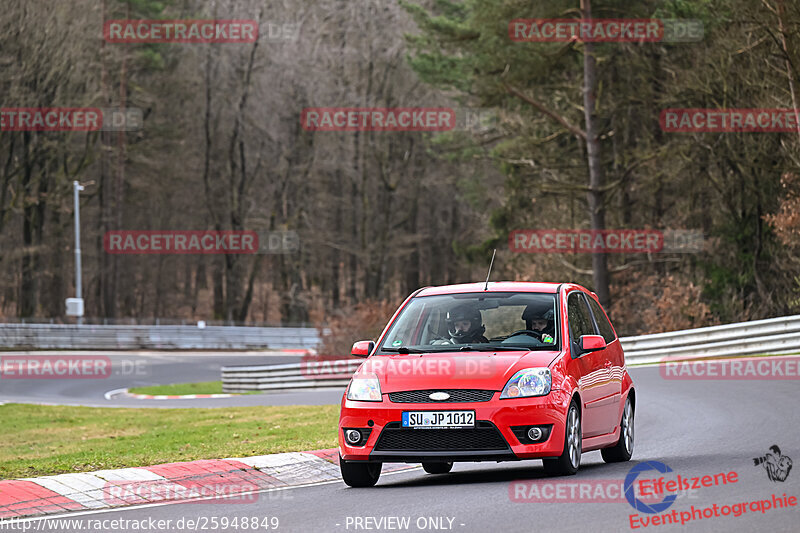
(614, 361)
(592, 373)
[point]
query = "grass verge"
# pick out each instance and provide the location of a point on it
(180, 389)
(43, 439)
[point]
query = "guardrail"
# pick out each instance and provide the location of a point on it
(119, 337)
(773, 336)
(289, 376)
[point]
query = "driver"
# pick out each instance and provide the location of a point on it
(540, 322)
(465, 325)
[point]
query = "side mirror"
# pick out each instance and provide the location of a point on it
(363, 348)
(591, 343)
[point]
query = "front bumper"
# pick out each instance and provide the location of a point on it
(501, 414)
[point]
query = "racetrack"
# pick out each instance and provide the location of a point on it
(136, 369)
(695, 427)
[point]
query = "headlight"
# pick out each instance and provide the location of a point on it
(365, 388)
(528, 382)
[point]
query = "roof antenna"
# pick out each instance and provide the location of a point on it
(486, 287)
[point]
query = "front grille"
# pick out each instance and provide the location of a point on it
(456, 396)
(485, 436)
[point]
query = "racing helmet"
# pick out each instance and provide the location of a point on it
(463, 313)
(530, 314)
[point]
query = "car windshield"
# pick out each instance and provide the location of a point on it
(475, 321)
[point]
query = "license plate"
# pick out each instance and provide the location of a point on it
(438, 419)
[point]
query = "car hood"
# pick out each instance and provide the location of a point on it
(452, 370)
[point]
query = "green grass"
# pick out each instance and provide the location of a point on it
(204, 387)
(43, 440)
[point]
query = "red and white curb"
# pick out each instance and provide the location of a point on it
(235, 480)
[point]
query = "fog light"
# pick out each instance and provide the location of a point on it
(534, 433)
(353, 436)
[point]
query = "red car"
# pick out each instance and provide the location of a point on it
(488, 372)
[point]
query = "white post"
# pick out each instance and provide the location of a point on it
(75, 305)
(78, 289)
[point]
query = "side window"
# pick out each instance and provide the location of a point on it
(580, 321)
(602, 322)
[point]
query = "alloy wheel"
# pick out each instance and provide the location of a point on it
(627, 427)
(574, 439)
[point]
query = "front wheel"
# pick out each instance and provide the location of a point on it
(437, 468)
(623, 449)
(360, 474)
(567, 464)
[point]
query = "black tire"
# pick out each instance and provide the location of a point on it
(569, 461)
(437, 468)
(360, 474)
(623, 449)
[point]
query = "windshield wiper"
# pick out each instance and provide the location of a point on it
(407, 350)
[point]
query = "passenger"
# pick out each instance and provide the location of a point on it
(541, 323)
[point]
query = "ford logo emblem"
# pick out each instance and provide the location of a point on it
(439, 396)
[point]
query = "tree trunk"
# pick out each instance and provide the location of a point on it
(595, 195)
(105, 291)
(790, 74)
(219, 293)
(120, 185)
(27, 287)
(412, 268)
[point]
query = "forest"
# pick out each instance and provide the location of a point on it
(547, 134)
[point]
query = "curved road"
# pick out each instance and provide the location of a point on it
(136, 369)
(696, 427)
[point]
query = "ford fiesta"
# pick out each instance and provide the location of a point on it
(488, 372)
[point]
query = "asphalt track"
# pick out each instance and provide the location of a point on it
(133, 369)
(695, 427)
